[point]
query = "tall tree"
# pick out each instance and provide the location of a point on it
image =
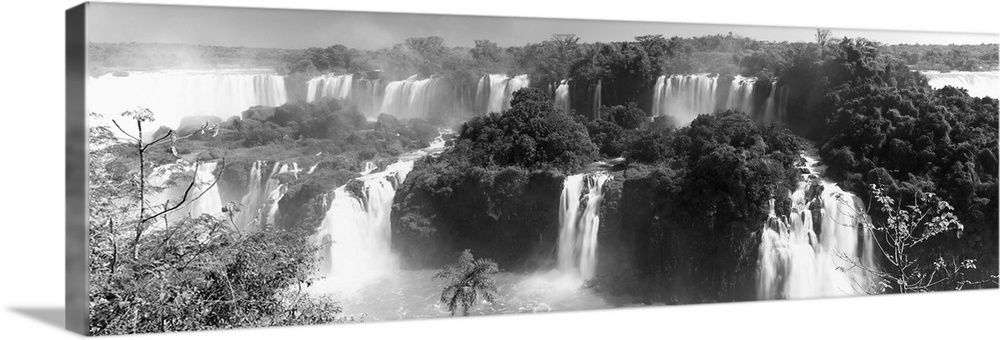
(469, 281)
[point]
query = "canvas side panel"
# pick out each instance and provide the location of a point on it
(76, 170)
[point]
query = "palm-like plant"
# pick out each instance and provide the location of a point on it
(469, 279)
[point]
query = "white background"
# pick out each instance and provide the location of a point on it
(31, 232)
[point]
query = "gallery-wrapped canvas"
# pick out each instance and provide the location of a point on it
(240, 167)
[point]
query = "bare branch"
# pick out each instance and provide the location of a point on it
(176, 206)
(123, 131)
(169, 133)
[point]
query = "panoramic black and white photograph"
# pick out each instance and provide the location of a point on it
(266, 167)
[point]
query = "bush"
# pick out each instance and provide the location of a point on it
(529, 134)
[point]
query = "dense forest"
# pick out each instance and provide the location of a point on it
(681, 220)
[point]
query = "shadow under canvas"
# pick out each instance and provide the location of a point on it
(53, 316)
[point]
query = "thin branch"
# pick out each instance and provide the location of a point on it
(176, 206)
(169, 133)
(123, 130)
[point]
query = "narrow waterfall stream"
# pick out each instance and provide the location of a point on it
(579, 222)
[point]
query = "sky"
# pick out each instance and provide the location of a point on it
(296, 29)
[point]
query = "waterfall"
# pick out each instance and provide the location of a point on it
(498, 85)
(482, 96)
(204, 197)
(329, 86)
(658, 93)
(260, 205)
(979, 84)
(741, 95)
(369, 167)
(356, 234)
(410, 98)
(596, 109)
(770, 109)
(173, 95)
(579, 220)
(798, 261)
(562, 97)
(501, 90)
(685, 96)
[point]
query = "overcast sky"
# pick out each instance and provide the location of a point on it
(301, 28)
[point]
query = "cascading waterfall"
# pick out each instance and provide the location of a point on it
(979, 84)
(596, 109)
(770, 109)
(562, 97)
(741, 94)
(329, 86)
(501, 90)
(173, 95)
(796, 263)
(356, 234)
(659, 90)
(685, 96)
(260, 205)
(369, 167)
(410, 98)
(204, 197)
(579, 221)
(482, 96)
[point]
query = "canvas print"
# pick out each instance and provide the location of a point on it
(263, 167)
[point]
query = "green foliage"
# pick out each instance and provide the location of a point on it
(469, 281)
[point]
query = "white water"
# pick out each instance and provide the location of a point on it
(684, 97)
(356, 234)
(362, 273)
(979, 84)
(260, 205)
(369, 167)
(596, 109)
(204, 197)
(579, 222)
(410, 98)
(173, 95)
(501, 90)
(562, 97)
(770, 106)
(795, 263)
(741, 95)
(329, 86)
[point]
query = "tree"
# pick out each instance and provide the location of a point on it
(822, 36)
(486, 52)
(189, 272)
(911, 267)
(529, 134)
(629, 116)
(469, 280)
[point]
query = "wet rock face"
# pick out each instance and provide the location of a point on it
(814, 195)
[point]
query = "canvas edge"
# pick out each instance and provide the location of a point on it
(77, 315)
